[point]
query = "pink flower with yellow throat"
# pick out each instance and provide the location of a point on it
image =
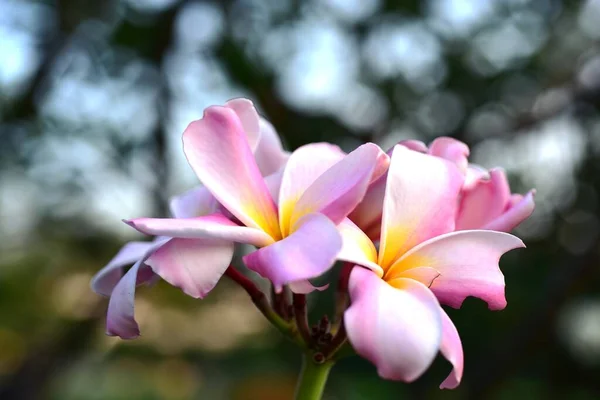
(290, 216)
(395, 319)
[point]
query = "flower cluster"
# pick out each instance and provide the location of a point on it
(417, 227)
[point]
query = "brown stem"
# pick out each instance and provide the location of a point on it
(337, 342)
(253, 291)
(285, 303)
(258, 297)
(261, 302)
(279, 301)
(302, 317)
(341, 296)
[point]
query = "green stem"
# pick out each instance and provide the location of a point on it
(313, 378)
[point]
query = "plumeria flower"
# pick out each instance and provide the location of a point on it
(297, 237)
(485, 200)
(395, 319)
(110, 280)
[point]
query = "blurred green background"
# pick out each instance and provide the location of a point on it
(94, 97)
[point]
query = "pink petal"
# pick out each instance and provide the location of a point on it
(357, 248)
(215, 226)
(474, 174)
(273, 182)
(452, 150)
(382, 163)
(396, 328)
(451, 348)
(425, 275)
(193, 203)
(262, 138)
(420, 202)
(305, 287)
(304, 166)
(485, 202)
(269, 153)
(516, 214)
(217, 149)
(367, 215)
(194, 265)
(249, 118)
(342, 187)
(107, 278)
(415, 145)
(120, 319)
(467, 262)
(307, 253)
(515, 198)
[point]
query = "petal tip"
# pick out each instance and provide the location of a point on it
(216, 115)
(95, 286)
(239, 100)
(499, 170)
(449, 385)
(126, 333)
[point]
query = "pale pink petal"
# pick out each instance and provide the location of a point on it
(486, 201)
(269, 153)
(382, 164)
(215, 226)
(304, 166)
(120, 319)
(467, 262)
(474, 174)
(451, 348)
(193, 203)
(415, 145)
(107, 278)
(341, 188)
(249, 118)
(396, 328)
(514, 199)
(516, 214)
(307, 253)
(367, 214)
(425, 275)
(357, 248)
(421, 197)
(217, 150)
(262, 137)
(194, 265)
(273, 182)
(452, 150)
(305, 287)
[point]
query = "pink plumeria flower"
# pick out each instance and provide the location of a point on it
(485, 200)
(395, 319)
(110, 280)
(297, 238)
